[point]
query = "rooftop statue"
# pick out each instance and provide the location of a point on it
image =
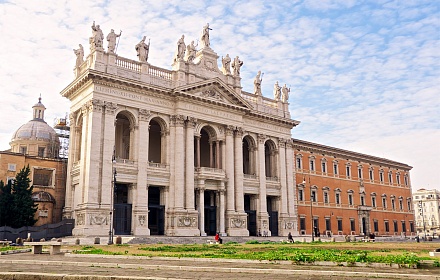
(97, 37)
(180, 49)
(111, 38)
(285, 93)
(205, 36)
(236, 65)
(226, 62)
(191, 52)
(79, 55)
(276, 91)
(257, 83)
(142, 50)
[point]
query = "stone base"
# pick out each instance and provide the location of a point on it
(236, 224)
(287, 224)
(182, 223)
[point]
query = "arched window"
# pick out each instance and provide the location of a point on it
(270, 159)
(209, 148)
(248, 155)
(123, 136)
(155, 142)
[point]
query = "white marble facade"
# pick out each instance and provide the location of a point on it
(194, 154)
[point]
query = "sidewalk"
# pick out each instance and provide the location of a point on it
(20, 266)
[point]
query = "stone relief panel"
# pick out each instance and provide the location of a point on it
(184, 221)
(98, 219)
(237, 223)
(212, 94)
(80, 219)
(289, 225)
(141, 220)
(265, 224)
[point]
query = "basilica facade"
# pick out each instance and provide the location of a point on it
(180, 152)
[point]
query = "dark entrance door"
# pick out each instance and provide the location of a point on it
(252, 215)
(122, 212)
(210, 220)
(364, 226)
(156, 212)
(273, 222)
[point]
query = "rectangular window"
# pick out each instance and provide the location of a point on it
(398, 179)
(360, 173)
(328, 224)
(301, 195)
(312, 165)
(373, 202)
(396, 227)
(381, 176)
(370, 172)
(326, 197)
(376, 225)
(406, 180)
(335, 168)
(387, 226)
(12, 167)
(42, 177)
(23, 150)
(411, 226)
(338, 198)
(384, 202)
(390, 178)
(324, 167)
(302, 223)
(41, 151)
(313, 198)
(409, 205)
(362, 200)
(352, 225)
(347, 168)
(298, 163)
(393, 204)
(350, 199)
(339, 225)
(400, 204)
(403, 226)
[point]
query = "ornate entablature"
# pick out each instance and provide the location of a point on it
(191, 66)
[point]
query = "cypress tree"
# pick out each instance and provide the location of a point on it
(24, 207)
(6, 203)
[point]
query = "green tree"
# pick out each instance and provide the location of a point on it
(6, 203)
(23, 207)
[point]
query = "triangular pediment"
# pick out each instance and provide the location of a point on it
(214, 90)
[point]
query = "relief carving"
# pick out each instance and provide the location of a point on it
(289, 225)
(178, 120)
(261, 138)
(185, 221)
(191, 122)
(237, 223)
(230, 130)
(211, 94)
(239, 132)
(144, 114)
(142, 219)
(110, 108)
(80, 219)
(98, 220)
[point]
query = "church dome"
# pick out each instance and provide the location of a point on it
(36, 137)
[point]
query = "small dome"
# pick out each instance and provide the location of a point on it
(35, 130)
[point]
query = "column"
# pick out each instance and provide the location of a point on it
(229, 159)
(189, 163)
(198, 150)
(217, 154)
(238, 166)
(211, 155)
(179, 161)
(291, 181)
(68, 207)
(140, 193)
(202, 207)
(222, 208)
(262, 174)
(282, 174)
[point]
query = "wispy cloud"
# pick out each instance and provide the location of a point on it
(364, 76)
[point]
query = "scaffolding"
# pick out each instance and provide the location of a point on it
(62, 129)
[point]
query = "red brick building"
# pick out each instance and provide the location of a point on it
(352, 193)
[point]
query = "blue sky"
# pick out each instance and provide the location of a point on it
(364, 75)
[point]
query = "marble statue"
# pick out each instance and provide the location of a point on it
(191, 52)
(97, 36)
(111, 38)
(79, 55)
(236, 65)
(276, 91)
(257, 83)
(142, 50)
(205, 36)
(180, 48)
(285, 93)
(226, 62)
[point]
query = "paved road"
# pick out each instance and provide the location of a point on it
(161, 268)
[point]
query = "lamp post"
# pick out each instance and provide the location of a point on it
(112, 195)
(311, 208)
(423, 217)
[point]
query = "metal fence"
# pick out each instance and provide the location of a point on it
(48, 231)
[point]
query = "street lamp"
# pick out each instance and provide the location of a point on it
(423, 217)
(311, 207)
(112, 195)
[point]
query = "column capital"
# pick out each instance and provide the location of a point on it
(261, 138)
(230, 130)
(177, 120)
(110, 107)
(72, 118)
(144, 114)
(289, 144)
(239, 132)
(282, 142)
(191, 122)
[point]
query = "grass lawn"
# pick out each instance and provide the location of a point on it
(404, 253)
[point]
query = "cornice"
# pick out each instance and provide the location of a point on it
(340, 153)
